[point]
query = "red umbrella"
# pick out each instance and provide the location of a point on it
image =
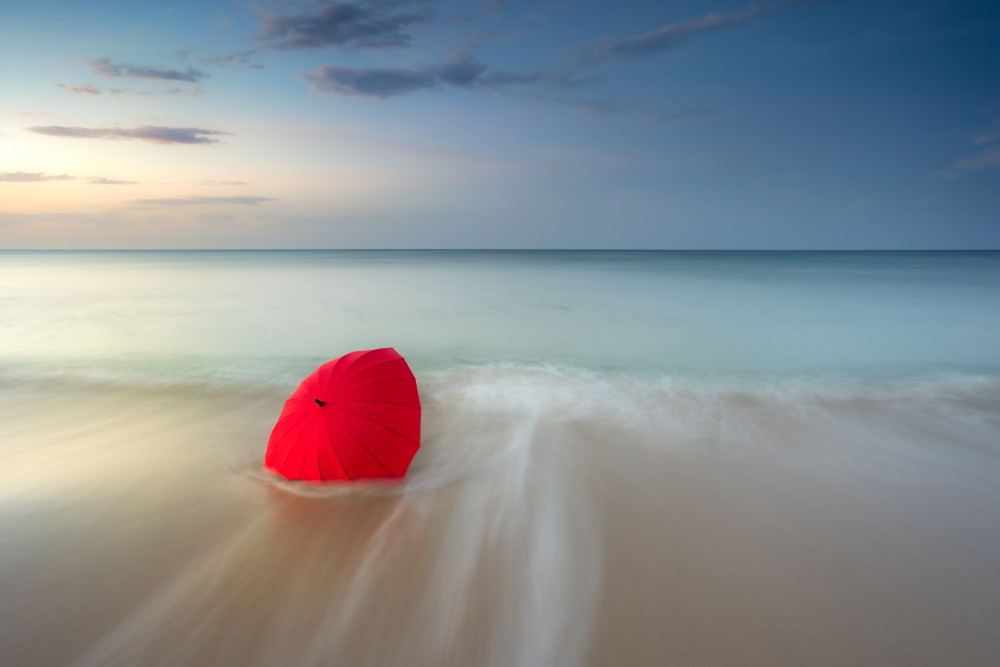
(357, 416)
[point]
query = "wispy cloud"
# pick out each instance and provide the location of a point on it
(118, 92)
(154, 134)
(987, 159)
(202, 201)
(618, 50)
(375, 83)
(32, 177)
(90, 89)
(238, 59)
(82, 89)
(196, 91)
(223, 183)
(591, 106)
(581, 64)
(109, 181)
(690, 111)
(351, 25)
(986, 138)
(106, 68)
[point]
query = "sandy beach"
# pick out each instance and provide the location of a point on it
(554, 540)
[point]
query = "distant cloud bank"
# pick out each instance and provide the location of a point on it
(202, 201)
(109, 181)
(347, 25)
(618, 50)
(82, 89)
(40, 176)
(462, 72)
(32, 177)
(357, 25)
(154, 134)
(106, 68)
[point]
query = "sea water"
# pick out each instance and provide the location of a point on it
(627, 458)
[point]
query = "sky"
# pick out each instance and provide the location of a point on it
(714, 124)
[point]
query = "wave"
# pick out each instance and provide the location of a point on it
(477, 417)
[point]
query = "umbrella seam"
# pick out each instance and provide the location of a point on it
(334, 365)
(302, 455)
(362, 386)
(333, 447)
(285, 435)
(382, 426)
(402, 405)
(367, 451)
(345, 377)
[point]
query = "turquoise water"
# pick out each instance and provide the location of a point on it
(267, 316)
(633, 458)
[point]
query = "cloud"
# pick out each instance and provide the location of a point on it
(32, 177)
(157, 135)
(592, 106)
(987, 159)
(118, 92)
(109, 70)
(461, 72)
(88, 89)
(348, 25)
(223, 183)
(693, 111)
(986, 138)
(618, 50)
(374, 83)
(503, 79)
(581, 65)
(202, 201)
(238, 59)
(464, 71)
(97, 180)
(82, 89)
(196, 91)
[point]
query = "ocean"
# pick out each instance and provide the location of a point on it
(627, 458)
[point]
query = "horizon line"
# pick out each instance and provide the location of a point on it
(499, 249)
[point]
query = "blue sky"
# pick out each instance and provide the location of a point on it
(388, 123)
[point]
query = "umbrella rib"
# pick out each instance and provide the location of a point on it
(301, 453)
(336, 454)
(305, 404)
(382, 426)
(285, 435)
(333, 366)
(347, 377)
(362, 386)
(367, 451)
(402, 405)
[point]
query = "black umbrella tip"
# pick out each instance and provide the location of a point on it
(321, 404)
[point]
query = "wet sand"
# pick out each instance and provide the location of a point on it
(137, 528)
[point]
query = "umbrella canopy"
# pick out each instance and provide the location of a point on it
(355, 417)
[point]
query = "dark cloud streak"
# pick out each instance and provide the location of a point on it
(32, 177)
(461, 72)
(347, 25)
(106, 68)
(157, 135)
(693, 111)
(619, 50)
(82, 89)
(109, 181)
(202, 201)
